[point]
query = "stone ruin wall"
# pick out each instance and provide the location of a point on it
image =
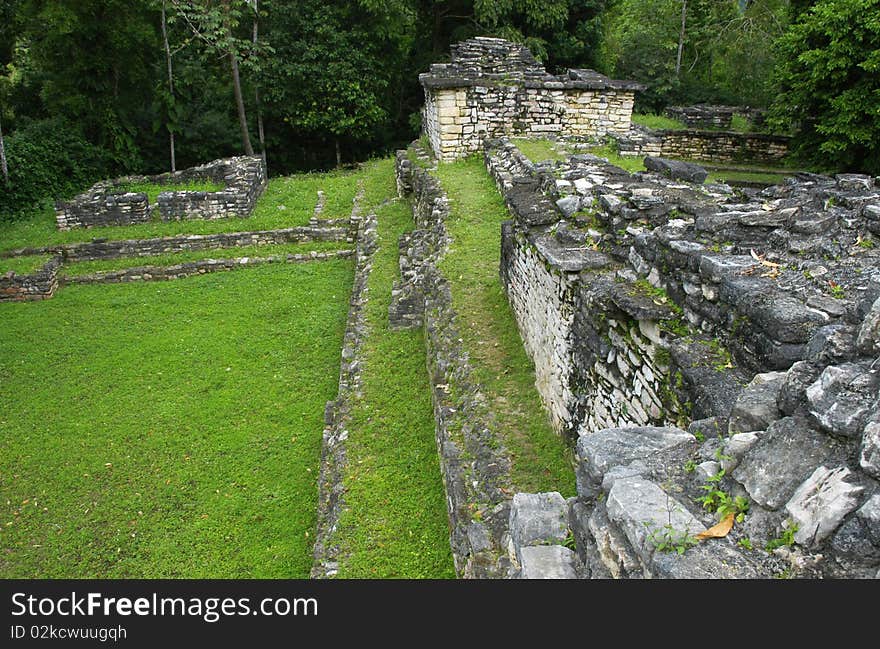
(493, 88)
(39, 285)
(711, 146)
(761, 367)
(243, 179)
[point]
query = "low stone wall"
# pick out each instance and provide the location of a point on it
(493, 87)
(474, 466)
(244, 179)
(707, 301)
(337, 414)
(712, 146)
(104, 249)
(39, 285)
(703, 115)
(190, 268)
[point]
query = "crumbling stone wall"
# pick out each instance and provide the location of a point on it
(766, 306)
(493, 87)
(712, 146)
(243, 179)
(39, 285)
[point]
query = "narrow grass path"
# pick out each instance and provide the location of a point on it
(168, 430)
(395, 525)
(541, 460)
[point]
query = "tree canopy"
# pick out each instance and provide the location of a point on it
(318, 83)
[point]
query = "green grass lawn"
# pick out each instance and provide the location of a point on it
(23, 265)
(168, 429)
(287, 202)
(538, 150)
(170, 259)
(658, 122)
(541, 460)
(152, 190)
(396, 522)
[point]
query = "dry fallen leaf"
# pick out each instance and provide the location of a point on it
(719, 530)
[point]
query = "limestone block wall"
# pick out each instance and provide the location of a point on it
(542, 299)
(712, 146)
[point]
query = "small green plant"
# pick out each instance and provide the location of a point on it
(699, 436)
(690, 466)
(786, 539)
(719, 501)
(867, 244)
(669, 539)
(745, 543)
(569, 541)
(836, 290)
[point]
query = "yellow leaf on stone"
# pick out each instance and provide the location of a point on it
(719, 530)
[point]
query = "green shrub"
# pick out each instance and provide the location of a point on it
(48, 160)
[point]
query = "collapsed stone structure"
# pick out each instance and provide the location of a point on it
(243, 179)
(492, 87)
(698, 341)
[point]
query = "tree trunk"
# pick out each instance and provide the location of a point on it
(684, 8)
(3, 157)
(338, 154)
(260, 131)
(170, 84)
(239, 103)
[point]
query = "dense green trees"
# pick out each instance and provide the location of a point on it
(695, 50)
(828, 81)
(145, 82)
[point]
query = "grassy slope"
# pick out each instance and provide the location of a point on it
(168, 430)
(396, 525)
(170, 259)
(286, 202)
(540, 459)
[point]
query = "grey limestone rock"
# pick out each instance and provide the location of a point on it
(821, 503)
(548, 562)
(677, 169)
(538, 519)
(568, 205)
(831, 344)
(756, 405)
(868, 341)
(645, 513)
(869, 456)
(843, 397)
(600, 451)
(781, 460)
(792, 394)
(709, 560)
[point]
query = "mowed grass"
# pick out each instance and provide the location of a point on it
(168, 429)
(538, 150)
(287, 202)
(396, 522)
(541, 460)
(23, 265)
(74, 269)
